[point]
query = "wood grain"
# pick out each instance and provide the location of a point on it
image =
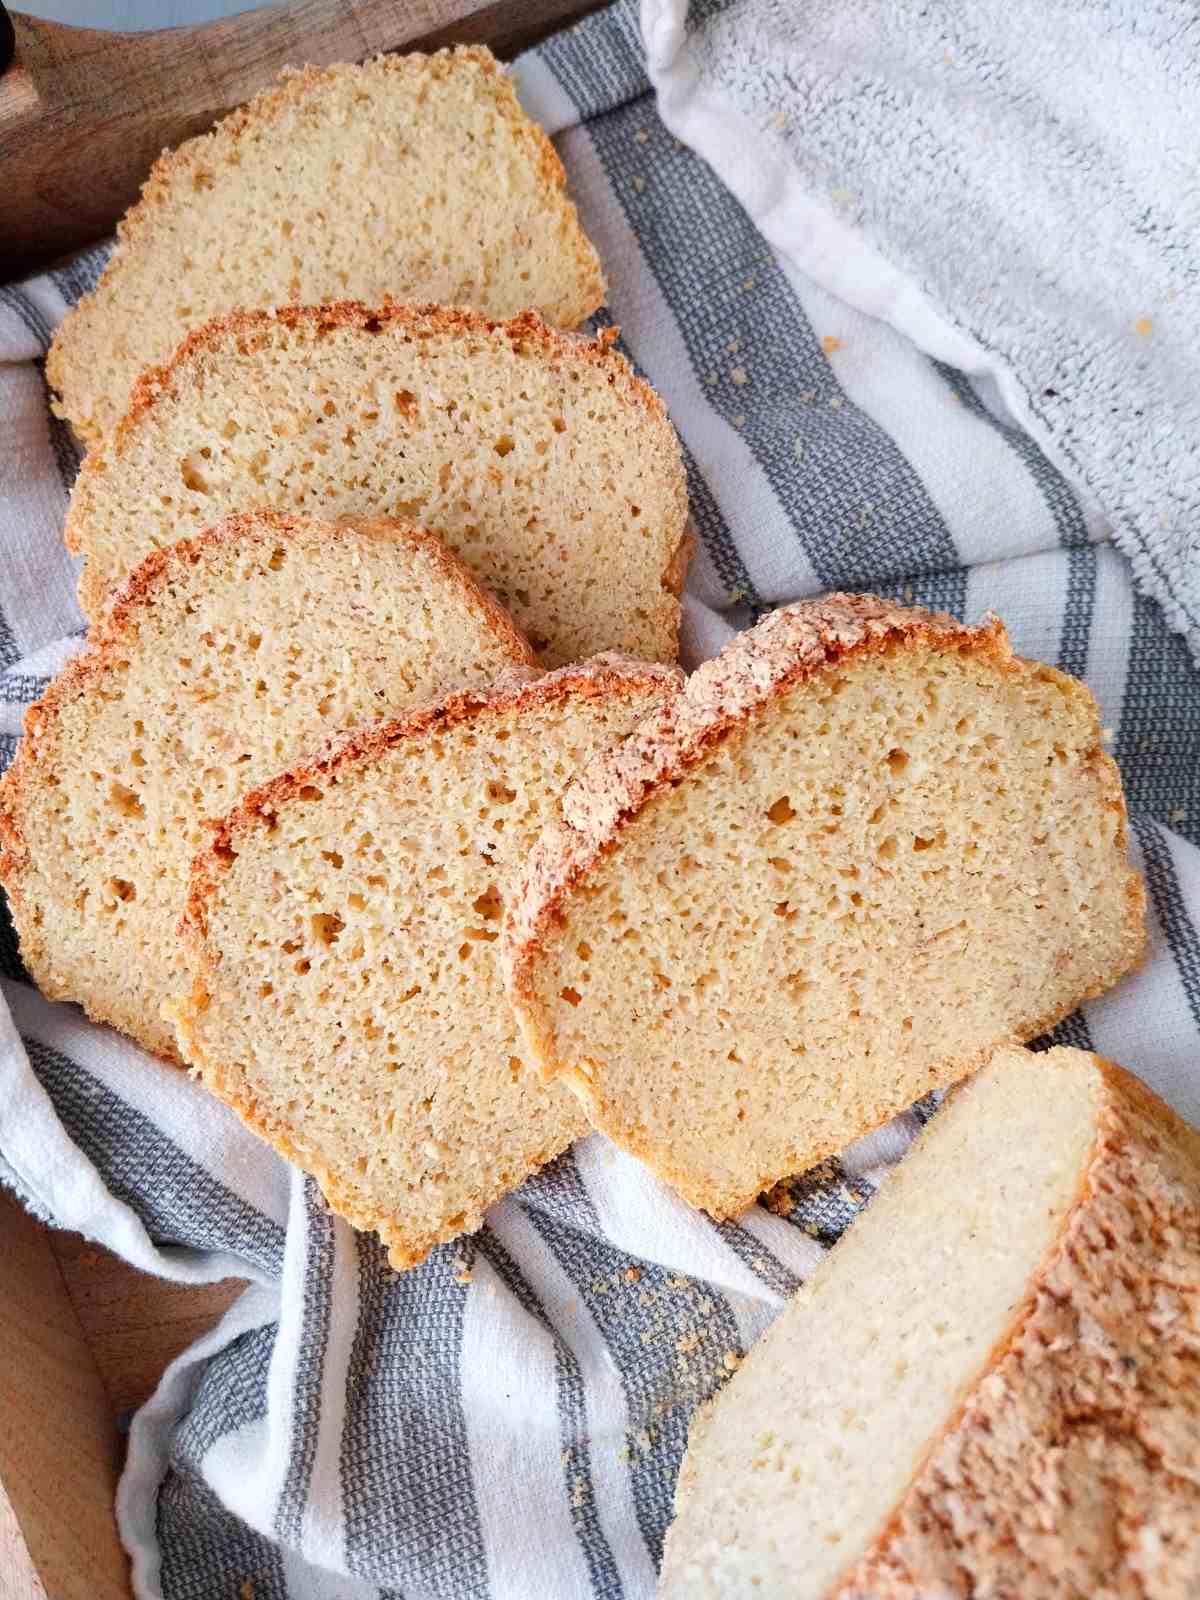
(133, 1324)
(59, 1447)
(84, 112)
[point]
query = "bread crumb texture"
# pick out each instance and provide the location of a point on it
(1006, 1407)
(865, 846)
(224, 660)
(415, 176)
(539, 457)
(346, 999)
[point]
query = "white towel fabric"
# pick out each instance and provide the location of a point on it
(1013, 186)
(507, 1419)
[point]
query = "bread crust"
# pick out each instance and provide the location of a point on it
(294, 85)
(1066, 1469)
(985, 1508)
(788, 647)
(519, 689)
(114, 634)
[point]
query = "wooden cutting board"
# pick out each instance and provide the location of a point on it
(84, 113)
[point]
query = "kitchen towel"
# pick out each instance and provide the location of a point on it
(507, 1419)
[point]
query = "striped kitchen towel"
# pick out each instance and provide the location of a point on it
(507, 1419)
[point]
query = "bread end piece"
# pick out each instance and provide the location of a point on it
(1007, 1405)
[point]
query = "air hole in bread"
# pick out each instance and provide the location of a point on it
(326, 927)
(124, 800)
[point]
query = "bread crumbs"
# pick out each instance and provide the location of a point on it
(639, 184)
(740, 376)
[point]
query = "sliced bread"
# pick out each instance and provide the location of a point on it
(346, 999)
(988, 1388)
(865, 846)
(541, 459)
(225, 659)
(414, 176)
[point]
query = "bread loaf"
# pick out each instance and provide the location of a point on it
(865, 846)
(414, 176)
(346, 999)
(224, 659)
(541, 459)
(989, 1387)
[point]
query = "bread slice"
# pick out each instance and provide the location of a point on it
(346, 998)
(542, 460)
(863, 848)
(225, 659)
(989, 1385)
(414, 176)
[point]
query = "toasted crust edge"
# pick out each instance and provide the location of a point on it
(120, 626)
(292, 85)
(1123, 1101)
(1122, 1097)
(518, 689)
(789, 646)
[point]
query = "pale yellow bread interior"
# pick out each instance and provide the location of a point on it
(542, 460)
(862, 849)
(346, 998)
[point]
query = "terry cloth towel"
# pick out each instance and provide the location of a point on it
(507, 1420)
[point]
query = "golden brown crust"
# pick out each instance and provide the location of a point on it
(294, 86)
(1070, 1470)
(761, 665)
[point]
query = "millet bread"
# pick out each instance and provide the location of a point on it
(414, 176)
(225, 659)
(541, 459)
(346, 999)
(989, 1387)
(863, 848)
